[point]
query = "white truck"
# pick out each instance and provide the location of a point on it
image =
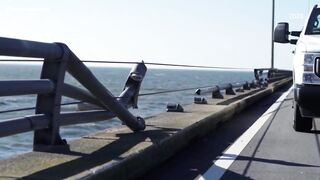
(306, 69)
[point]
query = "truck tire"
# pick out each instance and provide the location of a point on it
(301, 124)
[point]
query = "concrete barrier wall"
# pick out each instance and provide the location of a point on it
(120, 154)
(148, 158)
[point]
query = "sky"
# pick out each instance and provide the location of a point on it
(225, 33)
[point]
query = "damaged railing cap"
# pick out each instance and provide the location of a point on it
(136, 76)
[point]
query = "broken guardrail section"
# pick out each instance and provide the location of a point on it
(59, 59)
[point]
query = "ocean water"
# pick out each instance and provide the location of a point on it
(114, 79)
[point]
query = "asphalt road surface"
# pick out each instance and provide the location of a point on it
(276, 151)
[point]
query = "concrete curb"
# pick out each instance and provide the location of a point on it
(139, 163)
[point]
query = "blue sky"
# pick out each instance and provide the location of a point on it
(199, 32)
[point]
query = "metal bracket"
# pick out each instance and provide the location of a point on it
(217, 94)
(229, 90)
(200, 100)
(173, 107)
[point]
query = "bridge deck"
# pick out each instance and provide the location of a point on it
(120, 154)
(275, 152)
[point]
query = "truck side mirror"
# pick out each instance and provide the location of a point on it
(281, 33)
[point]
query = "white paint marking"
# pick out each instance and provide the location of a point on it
(219, 167)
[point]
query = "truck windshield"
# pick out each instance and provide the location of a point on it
(314, 23)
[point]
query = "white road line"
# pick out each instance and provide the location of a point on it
(219, 167)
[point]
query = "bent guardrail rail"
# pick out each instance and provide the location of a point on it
(58, 59)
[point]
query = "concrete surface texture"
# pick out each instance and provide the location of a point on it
(275, 152)
(279, 152)
(118, 153)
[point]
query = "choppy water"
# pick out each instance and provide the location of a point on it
(113, 79)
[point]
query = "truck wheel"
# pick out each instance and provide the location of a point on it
(301, 124)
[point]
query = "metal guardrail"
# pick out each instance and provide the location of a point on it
(262, 76)
(59, 59)
(227, 87)
(271, 75)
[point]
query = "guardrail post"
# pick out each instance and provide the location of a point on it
(246, 86)
(49, 139)
(253, 84)
(229, 90)
(216, 93)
